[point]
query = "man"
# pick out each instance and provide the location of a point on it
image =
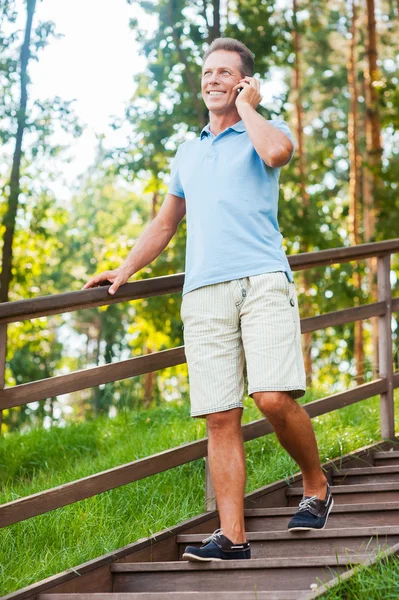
(239, 300)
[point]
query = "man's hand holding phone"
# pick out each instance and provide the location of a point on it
(248, 92)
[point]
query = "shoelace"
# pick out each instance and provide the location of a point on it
(217, 533)
(307, 503)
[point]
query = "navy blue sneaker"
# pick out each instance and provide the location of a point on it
(217, 547)
(312, 513)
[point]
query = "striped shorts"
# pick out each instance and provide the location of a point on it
(249, 324)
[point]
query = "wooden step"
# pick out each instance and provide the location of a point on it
(275, 544)
(386, 458)
(378, 474)
(286, 595)
(262, 574)
(342, 515)
(353, 494)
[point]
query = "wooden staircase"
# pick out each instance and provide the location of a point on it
(284, 565)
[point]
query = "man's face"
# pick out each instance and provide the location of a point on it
(220, 73)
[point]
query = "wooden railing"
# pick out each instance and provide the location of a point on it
(48, 500)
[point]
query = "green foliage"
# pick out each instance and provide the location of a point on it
(379, 582)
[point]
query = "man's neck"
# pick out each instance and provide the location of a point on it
(219, 123)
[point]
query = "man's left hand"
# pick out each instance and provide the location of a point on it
(250, 92)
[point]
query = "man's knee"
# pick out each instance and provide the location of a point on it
(275, 405)
(226, 419)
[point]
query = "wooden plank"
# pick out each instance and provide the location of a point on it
(48, 500)
(71, 301)
(236, 582)
(379, 474)
(355, 479)
(287, 511)
(3, 355)
(354, 494)
(305, 546)
(342, 399)
(87, 378)
(271, 536)
(340, 317)
(395, 380)
(352, 515)
(341, 255)
(274, 595)
(385, 347)
(235, 576)
(236, 566)
(367, 470)
(390, 454)
(342, 489)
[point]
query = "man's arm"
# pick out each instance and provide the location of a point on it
(154, 239)
(156, 235)
(273, 146)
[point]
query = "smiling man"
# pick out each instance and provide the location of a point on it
(239, 306)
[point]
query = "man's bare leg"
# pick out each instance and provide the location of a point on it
(295, 433)
(227, 466)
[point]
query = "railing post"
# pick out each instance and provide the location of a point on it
(210, 496)
(385, 347)
(3, 354)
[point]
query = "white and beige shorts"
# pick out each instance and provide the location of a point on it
(249, 324)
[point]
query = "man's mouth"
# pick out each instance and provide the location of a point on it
(214, 93)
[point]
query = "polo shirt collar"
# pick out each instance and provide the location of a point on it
(239, 127)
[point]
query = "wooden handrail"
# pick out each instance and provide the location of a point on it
(156, 286)
(24, 393)
(42, 502)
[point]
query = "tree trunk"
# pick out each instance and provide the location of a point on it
(11, 213)
(191, 80)
(154, 205)
(354, 186)
(304, 196)
(373, 167)
(3, 356)
(215, 33)
(98, 392)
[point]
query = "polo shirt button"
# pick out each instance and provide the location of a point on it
(292, 302)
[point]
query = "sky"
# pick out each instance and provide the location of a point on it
(94, 63)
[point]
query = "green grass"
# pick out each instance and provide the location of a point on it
(34, 461)
(379, 582)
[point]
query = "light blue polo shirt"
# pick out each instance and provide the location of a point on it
(231, 207)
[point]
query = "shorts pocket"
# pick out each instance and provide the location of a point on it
(293, 302)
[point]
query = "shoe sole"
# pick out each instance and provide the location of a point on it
(314, 528)
(194, 558)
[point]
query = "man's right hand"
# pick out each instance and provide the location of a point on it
(117, 277)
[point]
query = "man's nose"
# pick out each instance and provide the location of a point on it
(214, 79)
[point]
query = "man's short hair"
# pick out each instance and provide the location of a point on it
(232, 45)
